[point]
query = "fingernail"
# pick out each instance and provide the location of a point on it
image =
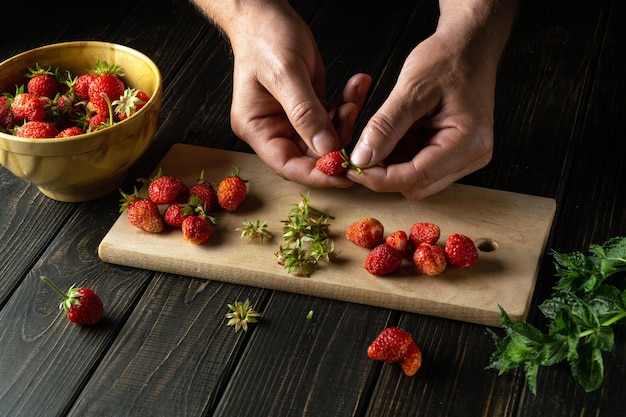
(361, 155)
(323, 142)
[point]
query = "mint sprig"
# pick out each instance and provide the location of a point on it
(580, 312)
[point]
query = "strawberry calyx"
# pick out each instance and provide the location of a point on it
(69, 299)
(241, 314)
(127, 199)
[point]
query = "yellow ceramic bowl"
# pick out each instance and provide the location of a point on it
(91, 165)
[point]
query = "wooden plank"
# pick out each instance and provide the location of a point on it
(519, 224)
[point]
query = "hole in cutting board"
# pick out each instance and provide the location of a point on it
(486, 245)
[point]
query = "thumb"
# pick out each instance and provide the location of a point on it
(385, 129)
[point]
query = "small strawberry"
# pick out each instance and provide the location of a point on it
(142, 212)
(7, 118)
(366, 232)
(81, 85)
(165, 189)
(42, 82)
(399, 241)
(37, 130)
(395, 345)
(81, 305)
(412, 360)
(205, 192)
(70, 131)
(231, 191)
(174, 215)
(461, 251)
(334, 163)
(423, 233)
(29, 107)
(106, 88)
(129, 103)
(196, 229)
(97, 122)
(383, 260)
(429, 259)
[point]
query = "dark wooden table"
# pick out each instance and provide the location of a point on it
(160, 352)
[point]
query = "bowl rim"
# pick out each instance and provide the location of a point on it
(82, 43)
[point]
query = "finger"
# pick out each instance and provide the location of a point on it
(389, 124)
(306, 113)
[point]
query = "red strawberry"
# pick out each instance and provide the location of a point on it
(142, 212)
(399, 241)
(174, 215)
(383, 260)
(412, 360)
(105, 88)
(196, 229)
(205, 192)
(7, 118)
(395, 345)
(37, 130)
(130, 102)
(97, 122)
(81, 85)
(423, 233)
(461, 251)
(429, 259)
(70, 131)
(165, 189)
(231, 191)
(334, 163)
(366, 232)
(29, 107)
(42, 82)
(81, 305)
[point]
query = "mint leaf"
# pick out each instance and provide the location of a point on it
(581, 310)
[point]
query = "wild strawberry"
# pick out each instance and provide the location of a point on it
(196, 229)
(37, 130)
(429, 259)
(334, 163)
(412, 360)
(399, 241)
(106, 88)
(395, 345)
(142, 212)
(41, 82)
(129, 103)
(205, 192)
(81, 85)
(423, 233)
(29, 107)
(174, 215)
(231, 191)
(164, 189)
(97, 122)
(366, 232)
(7, 118)
(81, 305)
(461, 251)
(70, 131)
(383, 260)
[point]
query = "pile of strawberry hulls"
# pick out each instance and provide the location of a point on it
(420, 243)
(187, 208)
(55, 104)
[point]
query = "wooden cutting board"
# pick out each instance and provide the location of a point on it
(516, 225)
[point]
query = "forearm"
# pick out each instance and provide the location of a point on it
(480, 25)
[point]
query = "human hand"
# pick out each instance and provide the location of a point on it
(436, 126)
(279, 105)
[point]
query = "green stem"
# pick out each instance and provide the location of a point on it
(54, 287)
(607, 323)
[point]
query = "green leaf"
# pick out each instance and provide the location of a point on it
(588, 368)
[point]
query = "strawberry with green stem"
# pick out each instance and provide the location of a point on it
(81, 305)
